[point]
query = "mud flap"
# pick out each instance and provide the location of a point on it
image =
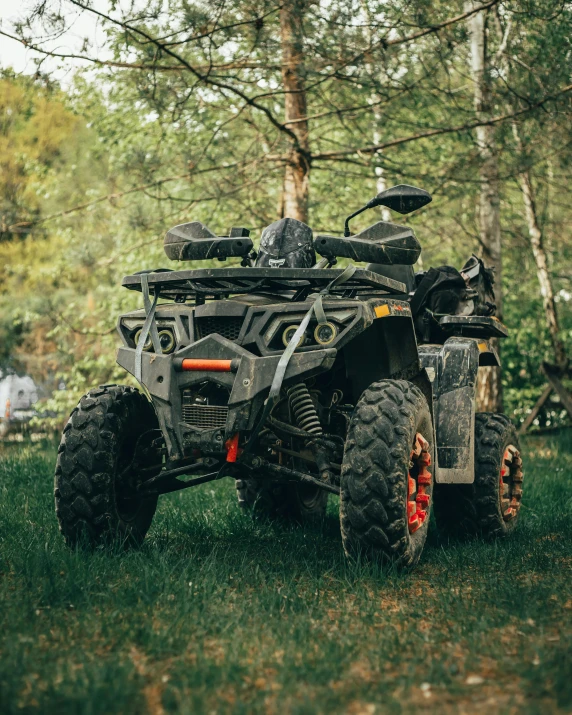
(453, 368)
(455, 428)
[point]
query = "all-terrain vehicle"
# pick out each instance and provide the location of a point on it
(299, 380)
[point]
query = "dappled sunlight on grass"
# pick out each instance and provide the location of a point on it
(220, 613)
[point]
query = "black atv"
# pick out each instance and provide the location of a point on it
(297, 380)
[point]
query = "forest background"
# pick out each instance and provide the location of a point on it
(238, 113)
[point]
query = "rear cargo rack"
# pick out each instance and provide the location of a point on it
(473, 326)
(223, 282)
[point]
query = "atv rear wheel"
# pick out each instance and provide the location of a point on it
(490, 506)
(274, 500)
(94, 490)
(386, 487)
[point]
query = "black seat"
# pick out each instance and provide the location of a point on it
(404, 274)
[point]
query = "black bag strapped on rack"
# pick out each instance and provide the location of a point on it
(481, 280)
(445, 291)
(441, 290)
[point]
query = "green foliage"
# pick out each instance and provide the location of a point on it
(174, 139)
(35, 130)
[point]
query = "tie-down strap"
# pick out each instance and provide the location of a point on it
(278, 379)
(149, 326)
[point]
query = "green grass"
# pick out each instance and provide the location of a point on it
(218, 614)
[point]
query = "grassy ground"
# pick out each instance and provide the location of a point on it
(217, 614)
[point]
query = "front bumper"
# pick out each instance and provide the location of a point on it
(248, 388)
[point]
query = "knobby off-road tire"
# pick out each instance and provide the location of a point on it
(288, 502)
(376, 470)
(93, 499)
(477, 509)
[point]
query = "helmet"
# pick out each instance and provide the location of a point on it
(286, 244)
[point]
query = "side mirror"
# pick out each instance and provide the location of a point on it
(402, 198)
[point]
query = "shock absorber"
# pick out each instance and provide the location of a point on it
(306, 417)
(303, 409)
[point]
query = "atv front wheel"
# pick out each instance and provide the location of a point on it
(490, 506)
(291, 502)
(386, 486)
(94, 491)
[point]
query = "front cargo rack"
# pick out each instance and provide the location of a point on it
(223, 282)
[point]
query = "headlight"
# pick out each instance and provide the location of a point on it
(167, 340)
(288, 334)
(148, 346)
(325, 333)
(282, 327)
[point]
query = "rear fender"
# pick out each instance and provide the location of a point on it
(452, 369)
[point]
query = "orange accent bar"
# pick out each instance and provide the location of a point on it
(197, 364)
(232, 448)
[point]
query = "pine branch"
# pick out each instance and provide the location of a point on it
(205, 78)
(14, 228)
(342, 155)
(374, 148)
(155, 67)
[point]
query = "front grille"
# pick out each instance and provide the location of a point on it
(205, 416)
(227, 325)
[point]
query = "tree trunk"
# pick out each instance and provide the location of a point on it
(380, 182)
(381, 185)
(537, 244)
(540, 258)
(489, 388)
(297, 172)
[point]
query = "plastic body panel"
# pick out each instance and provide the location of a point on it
(452, 369)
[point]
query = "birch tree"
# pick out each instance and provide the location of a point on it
(539, 252)
(489, 389)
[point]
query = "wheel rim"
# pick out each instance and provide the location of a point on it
(510, 483)
(309, 496)
(418, 484)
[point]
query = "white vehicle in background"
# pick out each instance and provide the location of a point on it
(17, 398)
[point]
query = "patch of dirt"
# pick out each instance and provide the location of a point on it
(153, 690)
